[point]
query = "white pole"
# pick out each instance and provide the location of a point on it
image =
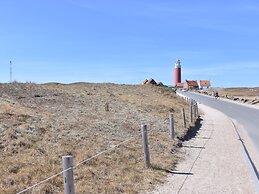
(195, 110)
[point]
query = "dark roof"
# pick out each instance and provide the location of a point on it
(152, 81)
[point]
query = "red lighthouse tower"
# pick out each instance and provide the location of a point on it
(177, 72)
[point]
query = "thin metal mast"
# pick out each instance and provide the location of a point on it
(11, 72)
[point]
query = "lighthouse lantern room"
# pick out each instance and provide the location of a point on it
(177, 72)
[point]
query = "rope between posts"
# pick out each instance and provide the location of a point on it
(37, 184)
(105, 151)
(79, 164)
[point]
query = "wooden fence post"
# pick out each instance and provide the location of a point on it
(190, 112)
(68, 177)
(171, 126)
(195, 110)
(183, 117)
(106, 106)
(145, 146)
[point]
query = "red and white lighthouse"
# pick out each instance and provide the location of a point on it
(177, 72)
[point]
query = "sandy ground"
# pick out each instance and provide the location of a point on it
(213, 161)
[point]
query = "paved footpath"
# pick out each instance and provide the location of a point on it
(214, 161)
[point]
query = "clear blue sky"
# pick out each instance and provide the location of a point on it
(126, 41)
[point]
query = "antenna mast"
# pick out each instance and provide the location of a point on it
(11, 72)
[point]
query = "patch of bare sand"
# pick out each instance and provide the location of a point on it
(213, 161)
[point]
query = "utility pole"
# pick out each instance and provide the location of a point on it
(11, 72)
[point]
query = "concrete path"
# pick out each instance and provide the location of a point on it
(214, 161)
(247, 116)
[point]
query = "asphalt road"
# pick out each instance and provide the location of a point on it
(245, 116)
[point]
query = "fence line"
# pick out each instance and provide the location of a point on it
(171, 128)
(79, 164)
(47, 179)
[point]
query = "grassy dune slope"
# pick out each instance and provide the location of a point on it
(41, 123)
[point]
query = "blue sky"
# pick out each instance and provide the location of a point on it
(127, 41)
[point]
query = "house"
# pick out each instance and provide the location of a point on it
(152, 81)
(191, 84)
(180, 85)
(159, 84)
(204, 84)
(145, 82)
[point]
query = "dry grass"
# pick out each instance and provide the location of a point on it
(244, 95)
(41, 123)
(237, 92)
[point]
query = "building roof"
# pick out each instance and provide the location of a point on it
(204, 82)
(179, 84)
(145, 81)
(152, 81)
(192, 83)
